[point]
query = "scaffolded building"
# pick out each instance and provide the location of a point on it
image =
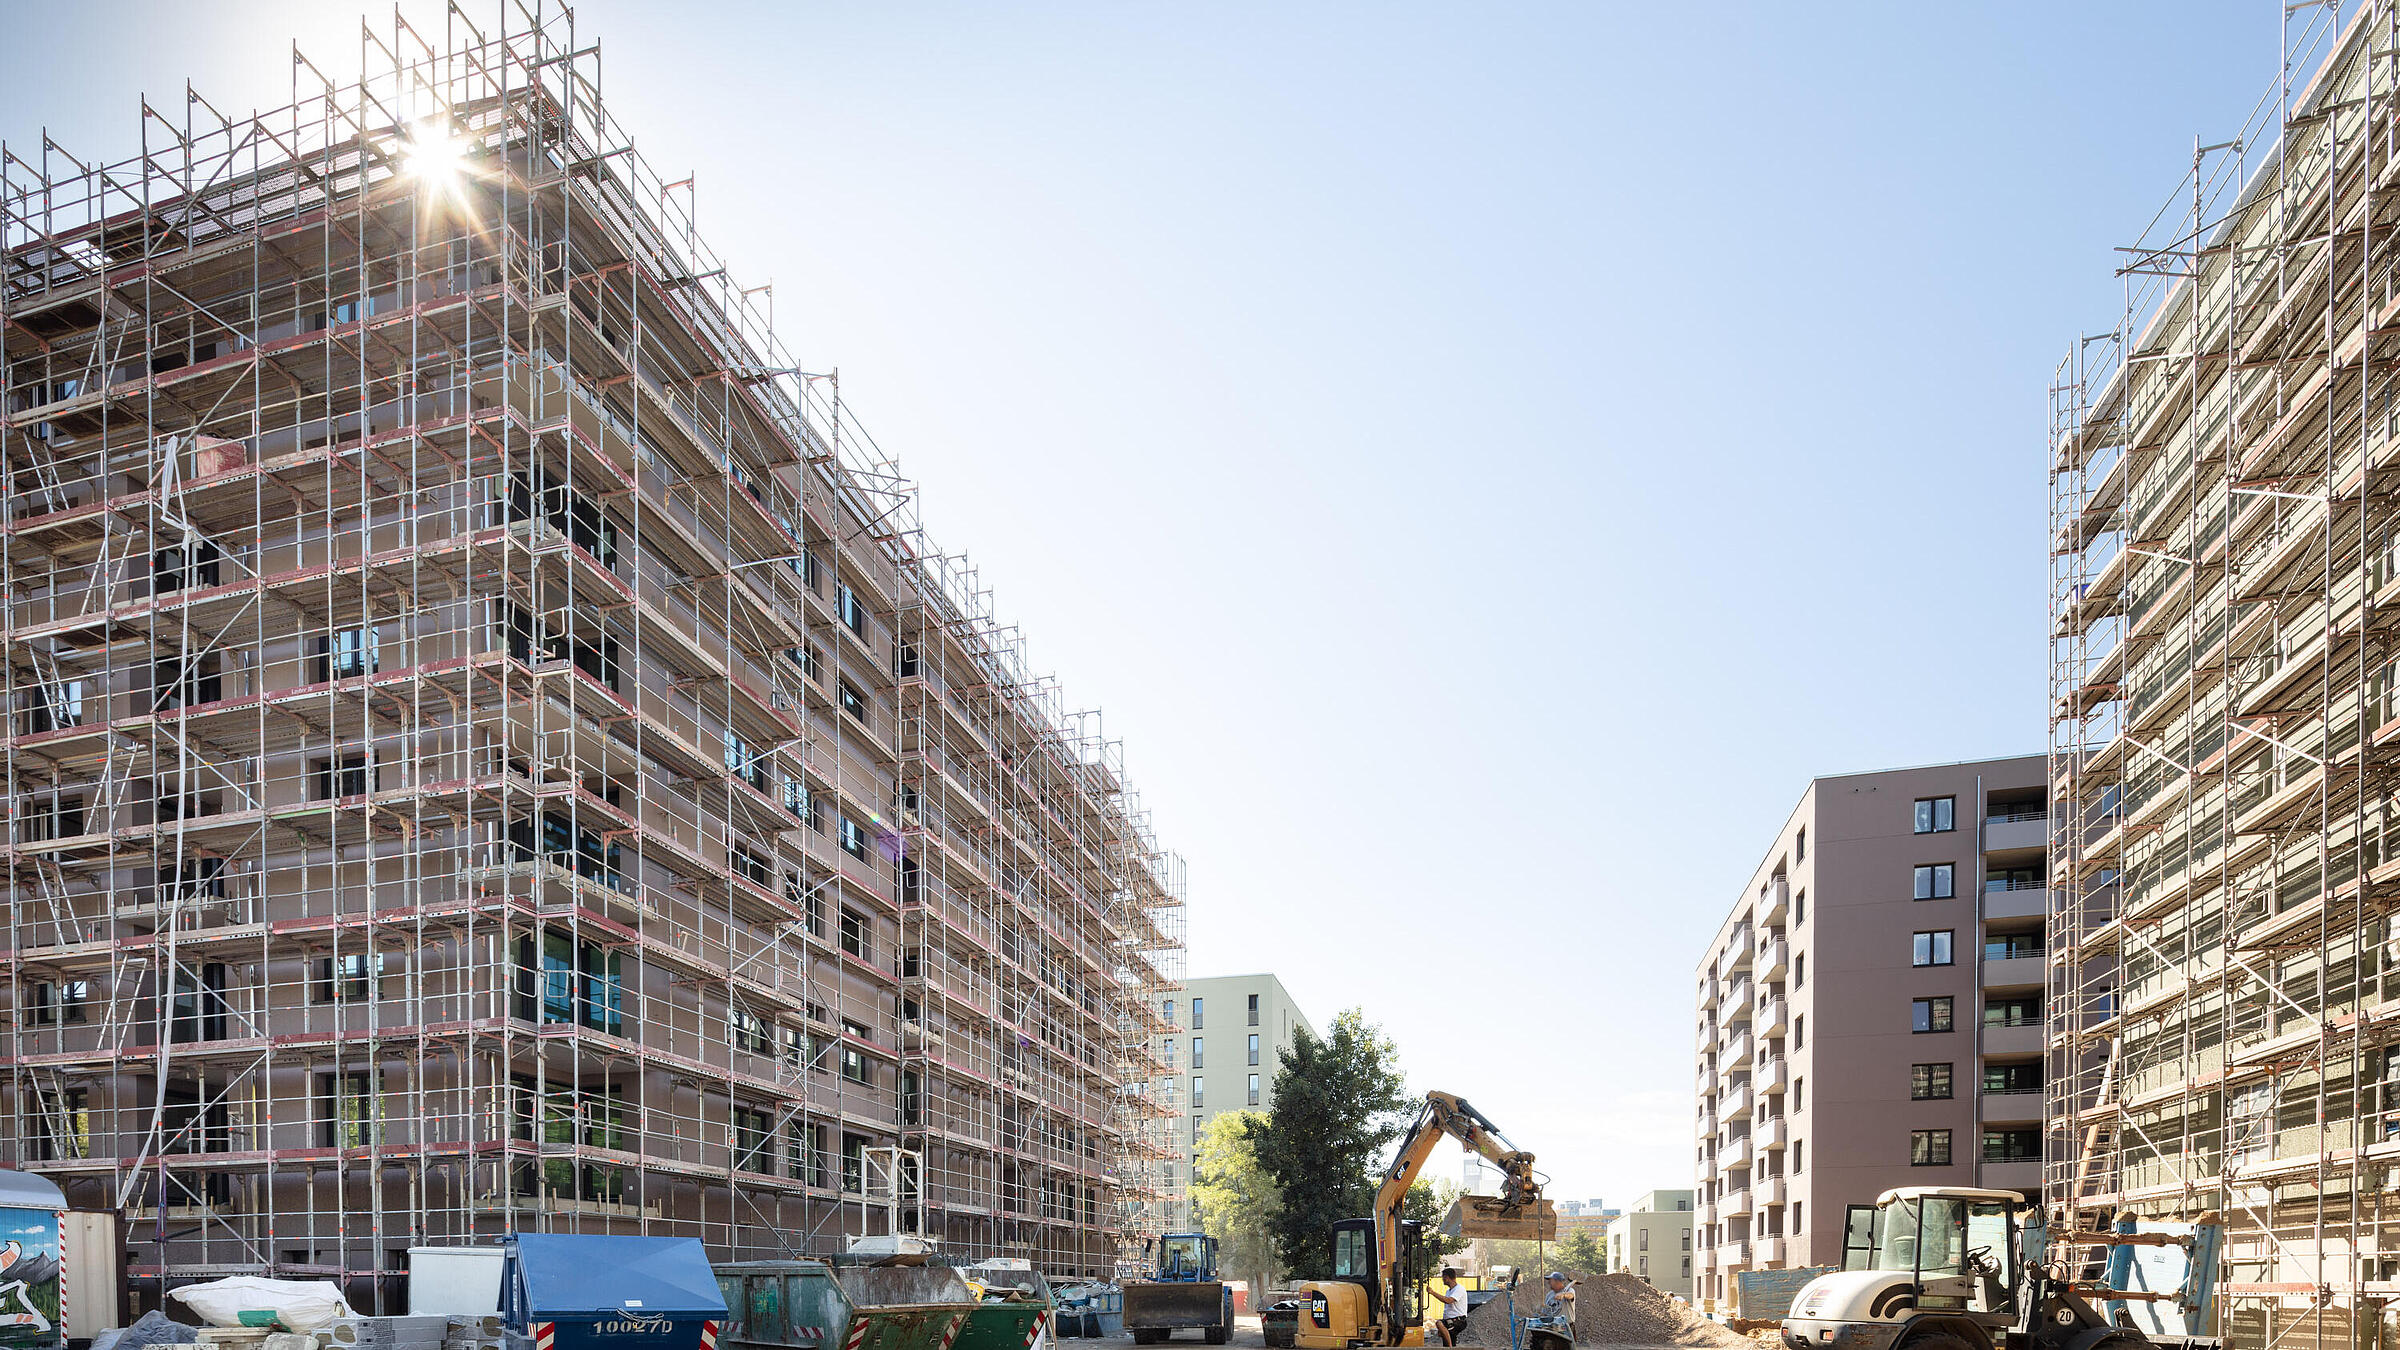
(489, 744)
(2224, 986)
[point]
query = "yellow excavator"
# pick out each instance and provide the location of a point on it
(1376, 1294)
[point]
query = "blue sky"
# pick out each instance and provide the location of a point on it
(1484, 459)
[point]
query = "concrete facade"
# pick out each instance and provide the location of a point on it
(1230, 1032)
(1654, 1240)
(1916, 895)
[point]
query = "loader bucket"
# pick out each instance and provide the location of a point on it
(1485, 1216)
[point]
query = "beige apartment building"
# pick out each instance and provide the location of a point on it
(1913, 901)
(1228, 1036)
(1654, 1240)
(492, 747)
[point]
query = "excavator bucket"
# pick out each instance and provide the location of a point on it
(1487, 1216)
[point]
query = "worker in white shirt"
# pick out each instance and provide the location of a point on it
(1454, 1305)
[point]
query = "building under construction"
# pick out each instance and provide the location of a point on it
(2224, 978)
(489, 746)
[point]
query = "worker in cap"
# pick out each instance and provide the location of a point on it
(1558, 1312)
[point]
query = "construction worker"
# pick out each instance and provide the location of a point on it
(1454, 1305)
(1558, 1314)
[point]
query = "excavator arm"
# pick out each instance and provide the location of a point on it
(1519, 1211)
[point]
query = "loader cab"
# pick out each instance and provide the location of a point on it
(1187, 1256)
(1957, 1245)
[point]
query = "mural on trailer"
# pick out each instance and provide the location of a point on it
(28, 1277)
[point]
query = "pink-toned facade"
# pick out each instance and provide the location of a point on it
(1870, 1012)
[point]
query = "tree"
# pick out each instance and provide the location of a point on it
(1427, 1202)
(1580, 1253)
(1236, 1198)
(1339, 1104)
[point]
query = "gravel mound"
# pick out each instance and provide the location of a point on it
(1609, 1310)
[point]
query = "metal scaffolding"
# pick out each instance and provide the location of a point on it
(2224, 988)
(490, 746)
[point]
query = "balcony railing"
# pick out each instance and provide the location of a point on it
(1995, 885)
(2008, 815)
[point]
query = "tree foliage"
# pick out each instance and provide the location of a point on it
(1427, 1202)
(1236, 1197)
(1340, 1101)
(1580, 1253)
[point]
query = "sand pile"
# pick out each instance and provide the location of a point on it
(1609, 1310)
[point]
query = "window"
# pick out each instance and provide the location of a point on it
(853, 839)
(802, 804)
(349, 1110)
(743, 761)
(1254, 1049)
(2012, 1078)
(854, 613)
(182, 682)
(1929, 1014)
(1936, 815)
(1687, 1233)
(53, 707)
(193, 564)
(751, 865)
(800, 1050)
(854, 1061)
(1799, 908)
(1929, 1082)
(1798, 1152)
(1171, 1044)
(1800, 846)
(753, 1140)
(1799, 970)
(1930, 949)
(51, 818)
(1799, 1095)
(1167, 1007)
(61, 1125)
(750, 1031)
(1254, 1015)
(1199, 1052)
(2011, 946)
(1929, 1148)
(804, 1154)
(343, 777)
(1197, 1021)
(1800, 1032)
(566, 981)
(2016, 1010)
(1253, 1101)
(1199, 1095)
(811, 572)
(1934, 881)
(1644, 1243)
(2007, 1146)
(53, 1002)
(856, 937)
(1797, 1229)
(812, 666)
(853, 702)
(352, 651)
(349, 977)
(1644, 1261)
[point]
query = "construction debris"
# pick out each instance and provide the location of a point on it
(1609, 1310)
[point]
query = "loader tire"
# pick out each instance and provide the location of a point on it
(1219, 1334)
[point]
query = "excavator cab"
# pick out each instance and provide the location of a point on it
(1347, 1308)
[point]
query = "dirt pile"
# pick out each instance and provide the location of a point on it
(1609, 1310)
